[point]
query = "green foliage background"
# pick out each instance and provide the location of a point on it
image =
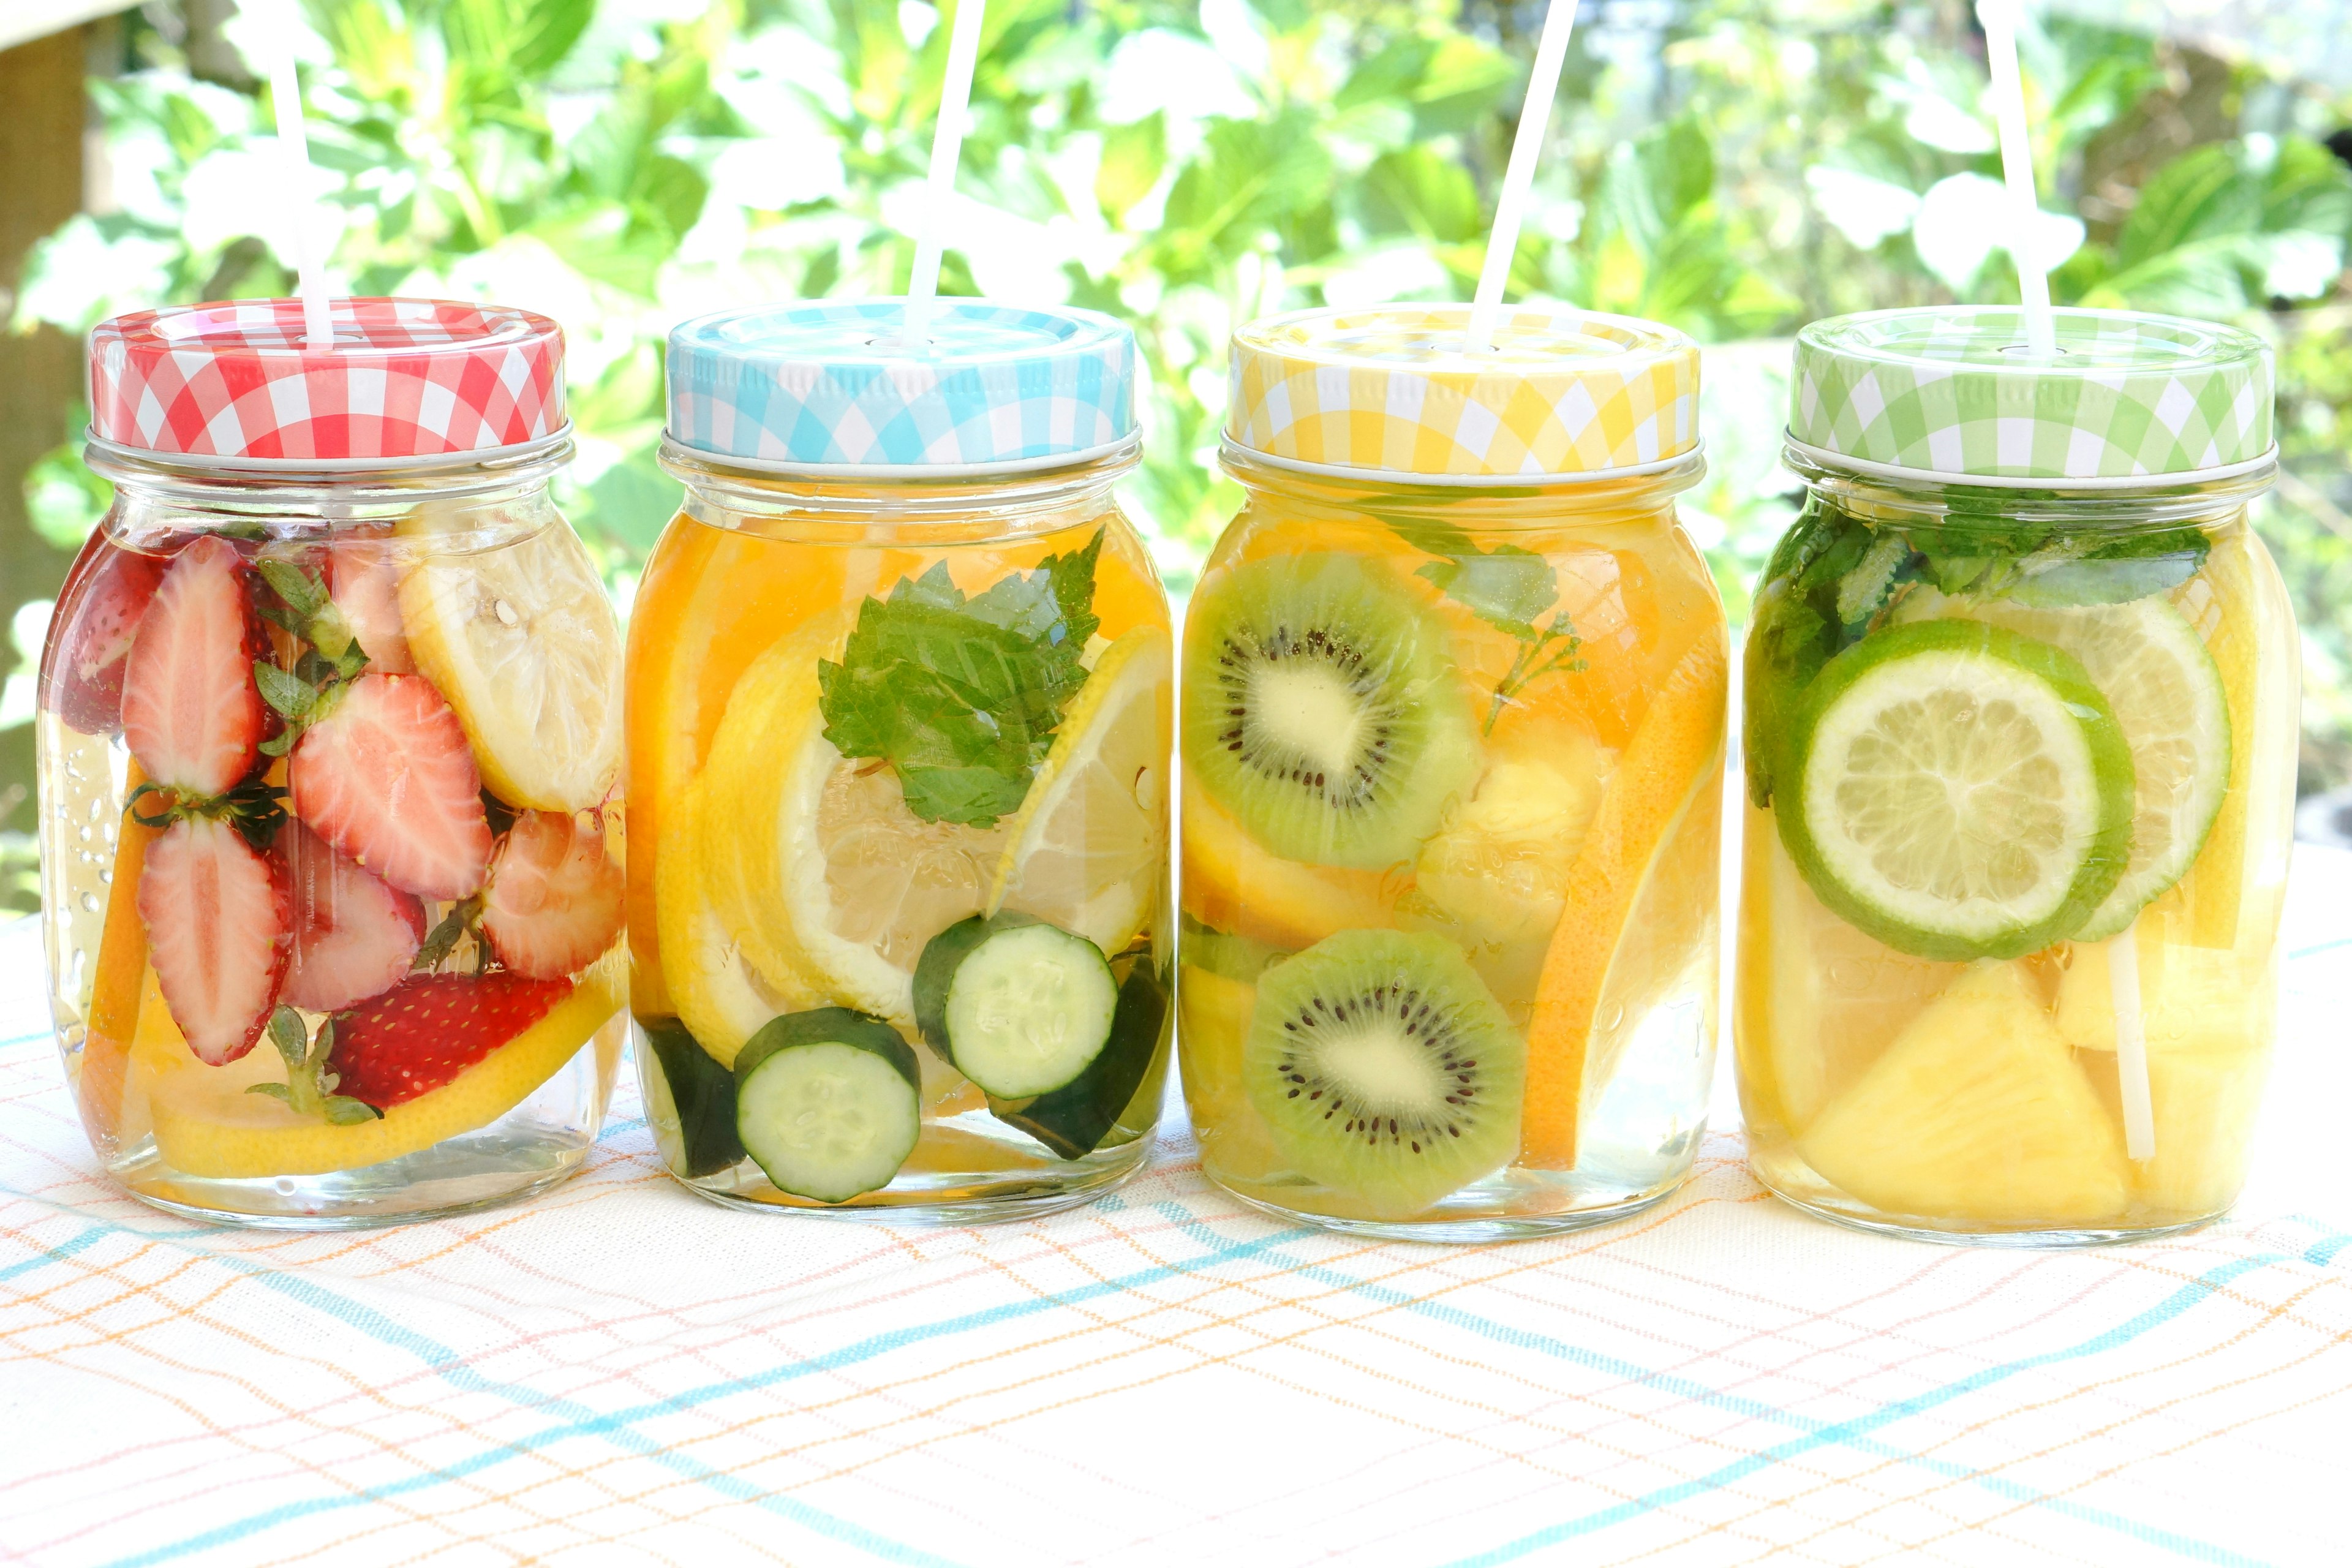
(1736, 167)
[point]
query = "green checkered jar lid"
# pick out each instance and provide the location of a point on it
(1955, 392)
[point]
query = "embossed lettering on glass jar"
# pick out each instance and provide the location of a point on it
(330, 749)
(2020, 743)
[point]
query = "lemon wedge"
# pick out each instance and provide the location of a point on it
(720, 998)
(1089, 843)
(520, 639)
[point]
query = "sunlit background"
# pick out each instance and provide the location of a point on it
(1736, 167)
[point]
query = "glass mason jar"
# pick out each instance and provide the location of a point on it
(329, 743)
(2020, 747)
(900, 712)
(1453, 744)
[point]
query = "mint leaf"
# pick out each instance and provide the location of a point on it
(2114, 571)
(1507, 587)
(961, 696)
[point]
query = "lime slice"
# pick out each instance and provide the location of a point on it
(1089, 844)
(1961, 791)
(2166, 691)
(520, 639)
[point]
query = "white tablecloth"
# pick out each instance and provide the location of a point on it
(619, 1373)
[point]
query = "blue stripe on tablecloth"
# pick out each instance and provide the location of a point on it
(1850, 1433)
(2199, 1289)
(619, 1426)
(56, 1254)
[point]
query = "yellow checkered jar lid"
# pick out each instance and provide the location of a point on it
(1391, 389)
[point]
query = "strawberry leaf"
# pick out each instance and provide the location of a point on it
(344, 1111)
(289, 694)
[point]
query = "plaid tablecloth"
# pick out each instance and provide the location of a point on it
(619, 1373)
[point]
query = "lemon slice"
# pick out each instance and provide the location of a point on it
(719, 996)
(813, 859)
(2152, 667)
(1959, 791)
(520, 638)
(1088, 847)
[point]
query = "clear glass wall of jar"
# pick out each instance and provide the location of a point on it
(331, 842)
(2020, 772)
(1453, 747)
(899, 740)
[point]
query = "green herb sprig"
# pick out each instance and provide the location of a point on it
(961, 696)
(1509, 589)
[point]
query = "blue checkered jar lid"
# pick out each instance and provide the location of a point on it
(836, 385)
(1954, 391)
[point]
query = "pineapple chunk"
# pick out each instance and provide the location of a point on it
(2205, 1103)
(2205, 1111)
(2191, 999)
(1976, 1114)
(1833, 998)
(1499, 865)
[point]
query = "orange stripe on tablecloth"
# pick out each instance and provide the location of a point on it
(1984, 1425)
(286, 1413)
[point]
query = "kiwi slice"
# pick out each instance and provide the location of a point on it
(1321, 710)
(1385, 1068)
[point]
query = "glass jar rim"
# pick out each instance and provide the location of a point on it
(902, 492)
(455, 474)
(1232, 456)
(1807, 460)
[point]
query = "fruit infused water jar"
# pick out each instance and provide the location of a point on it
(329, 739)
(901, 682)
(1452, 738)
(2021, 743)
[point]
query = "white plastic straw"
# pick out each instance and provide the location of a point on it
(2000, 19)
(2131, 1044)
(946, 147)
(1518, 175)
(294, 143)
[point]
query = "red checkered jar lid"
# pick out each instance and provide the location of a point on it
(405, 379)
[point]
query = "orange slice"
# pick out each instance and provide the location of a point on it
(1669, 768)
(1233, 883)
(207, 1125)
(114, 992)
(710, 602)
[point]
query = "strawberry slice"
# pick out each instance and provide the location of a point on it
(99, 611)
(191, 712)
(364, 581)
(385, 778)
(219, 918)
(553, 904)
(354, 936)
(426, 1030)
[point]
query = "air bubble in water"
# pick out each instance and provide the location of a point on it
(90, 903)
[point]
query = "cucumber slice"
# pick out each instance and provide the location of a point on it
(1018, 1006)
(1959, 790)
(829, 1103)
(1073, 1120)
(690, 1100)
